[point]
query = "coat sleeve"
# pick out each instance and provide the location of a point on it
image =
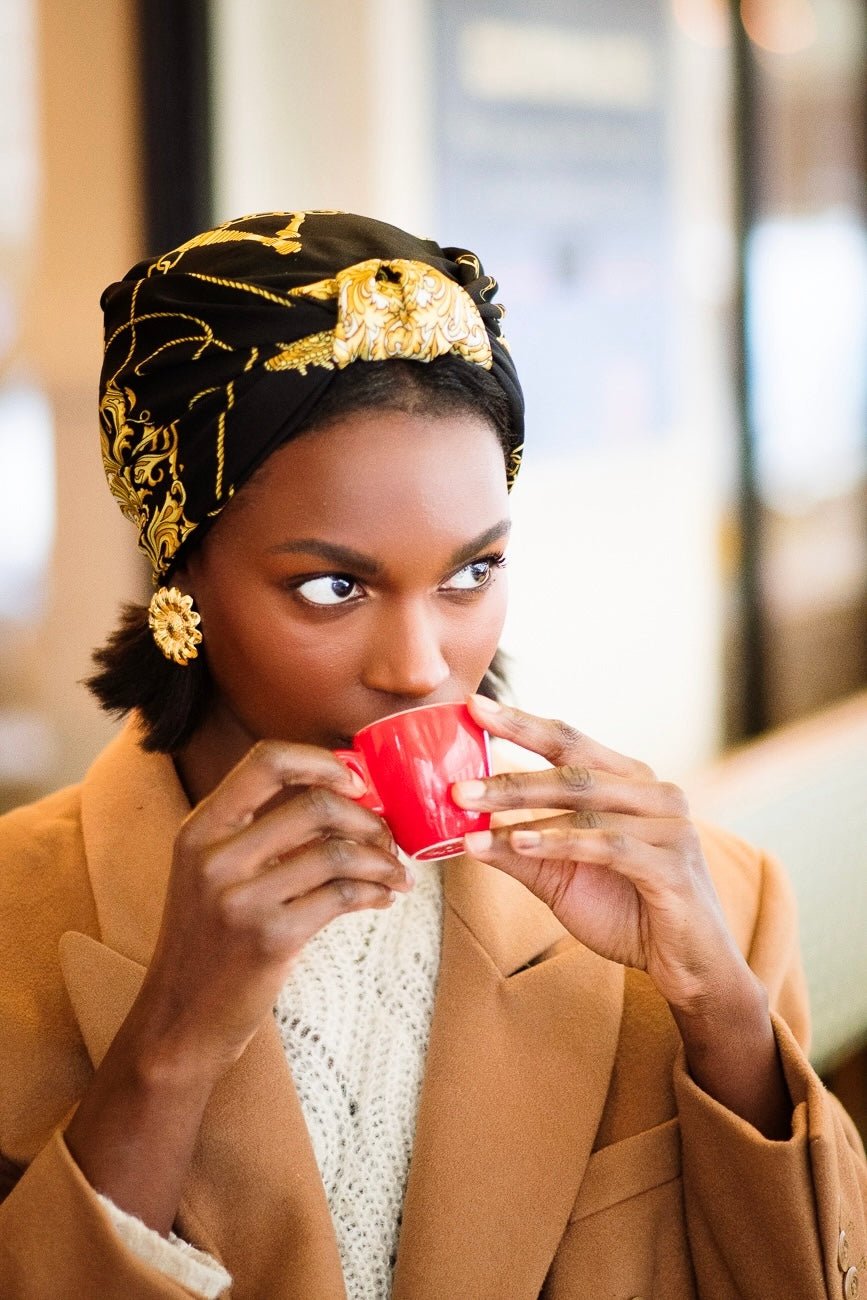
(775, 1218)
(57, 1240)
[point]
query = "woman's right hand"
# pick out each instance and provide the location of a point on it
(273, 854)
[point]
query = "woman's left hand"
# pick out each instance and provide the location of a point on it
(622, 870)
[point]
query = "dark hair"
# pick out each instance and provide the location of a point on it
(132, 672)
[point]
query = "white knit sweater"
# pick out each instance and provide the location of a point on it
(355, 1019)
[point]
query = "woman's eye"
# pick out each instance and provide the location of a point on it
(333, 589)
(472, 576)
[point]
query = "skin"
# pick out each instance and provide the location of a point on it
(323, 608)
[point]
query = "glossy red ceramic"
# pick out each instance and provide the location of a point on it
(410, 760)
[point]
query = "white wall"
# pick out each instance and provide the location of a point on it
(322, 105)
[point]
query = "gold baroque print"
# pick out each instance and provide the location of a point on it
(287, 240)
(313, 350)
(140, 464)
(167, 528)
(513, 465)
(400, 308)
(115, 436)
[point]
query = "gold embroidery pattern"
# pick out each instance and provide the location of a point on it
(400, 309)
(137, 460)
(287, 240)
(514, 464)
(221, 437)
(384, 309)
(313, 350)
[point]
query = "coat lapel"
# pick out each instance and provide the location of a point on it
(522, 1044)
(254, 1197)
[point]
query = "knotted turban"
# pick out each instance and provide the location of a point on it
(218, 352)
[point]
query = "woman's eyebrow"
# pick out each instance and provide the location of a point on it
(466, 552)
(344, 557)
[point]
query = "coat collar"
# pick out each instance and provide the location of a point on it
(523, 1039)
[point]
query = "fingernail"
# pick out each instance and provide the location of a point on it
(525, 839)
(486, 704)
(358, 783)
(468, 791)
(478, 841)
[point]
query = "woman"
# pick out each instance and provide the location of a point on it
(566, 1064)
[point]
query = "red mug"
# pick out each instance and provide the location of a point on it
(409, 762)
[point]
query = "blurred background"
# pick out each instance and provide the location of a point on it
(671, 194)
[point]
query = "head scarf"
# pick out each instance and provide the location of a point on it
(218, 352)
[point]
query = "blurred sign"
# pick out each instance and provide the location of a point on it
(553, 165)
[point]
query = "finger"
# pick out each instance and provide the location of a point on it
(291, 926)
(556, 741)
(314, 814)
(535, 855)
(309, 869)
(605, 848)
(572, 787)
(661, 832)
(270, 767)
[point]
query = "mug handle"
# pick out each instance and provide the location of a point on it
(355, 762)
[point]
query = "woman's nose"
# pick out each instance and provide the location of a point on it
(404, 655)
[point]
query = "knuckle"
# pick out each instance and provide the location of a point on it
(519, 723)
(322, 803)
(566, 737)
(617, 843)
(507, 786)
(271, 939)
(339, 853)
(685, 839)
(575, 780)
(383, 838)
(675, 799)
(267, 753)
(586, 820)
(348, 894)
(231, 911)
(210, 868)
(191, 838)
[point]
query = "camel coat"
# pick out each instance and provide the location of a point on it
(562, 1150)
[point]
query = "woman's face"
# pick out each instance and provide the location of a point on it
(357, 574)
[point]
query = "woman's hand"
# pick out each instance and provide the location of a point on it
(622, 869)
(272, 855)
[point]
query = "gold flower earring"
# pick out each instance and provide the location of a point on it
(175, 624)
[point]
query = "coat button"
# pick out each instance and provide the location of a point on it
(843, 1258)
(851, 1286)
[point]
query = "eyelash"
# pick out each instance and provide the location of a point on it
(496, 561)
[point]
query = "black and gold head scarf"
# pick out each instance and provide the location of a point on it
(218, 352)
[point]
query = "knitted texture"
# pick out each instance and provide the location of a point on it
(355, 1019)
(193, 1269)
